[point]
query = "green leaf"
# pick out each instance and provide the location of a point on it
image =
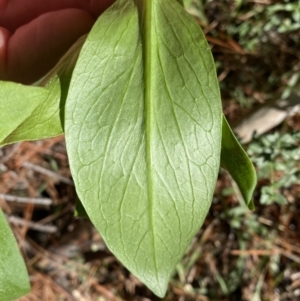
(180, 2)
(14, 280)
(29, 113)
(80, 210)
(32, 113)
(235, 160)
(143, 132)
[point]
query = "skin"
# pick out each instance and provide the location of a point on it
(34, 34)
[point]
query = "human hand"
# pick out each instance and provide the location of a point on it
(34, 34)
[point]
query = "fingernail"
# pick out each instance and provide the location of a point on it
(4, 36)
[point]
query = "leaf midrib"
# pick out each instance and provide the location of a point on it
(147, 50)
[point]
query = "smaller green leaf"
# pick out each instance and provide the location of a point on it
(29, 113)
(235, 160)
(14, 280)
(32, 113)
(80, 210)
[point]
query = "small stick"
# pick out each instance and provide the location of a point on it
(104, 291)
(34, 226)
(25, 200)
(47, 172)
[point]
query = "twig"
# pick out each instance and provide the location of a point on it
(48, 173)
(34, 226)
(26, 200)
(288, 246)
(30, 149)
(12, 152)
(55, 215)
(255, 252)
(104, 291)
(266, 253)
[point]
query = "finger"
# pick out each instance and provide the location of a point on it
(4, 36)
(15, 13)
(36, 47)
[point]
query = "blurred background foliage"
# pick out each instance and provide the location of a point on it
(256, 45)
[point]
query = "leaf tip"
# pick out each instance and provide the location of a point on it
(159, 291)
(251, 205)
(158, 285)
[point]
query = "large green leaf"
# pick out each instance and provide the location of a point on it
(236, 161)
(29, 113)
(143, 131)
(14, 280)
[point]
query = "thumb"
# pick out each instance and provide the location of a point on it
(36, 47)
